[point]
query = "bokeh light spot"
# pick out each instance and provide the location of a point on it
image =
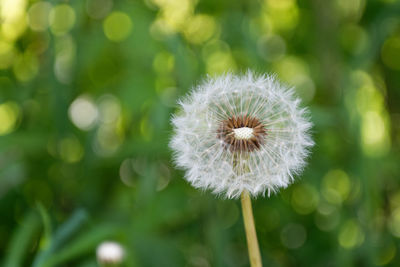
(11, 9)
(218, 57)
(351, 235)
(368, 98)
(386, 254)
(163, 62)
(304, 198)
(65, 58)
(62, 19)
(327, 221)
(174, 14)
(374, 135)
(168, 96)
(126, 173)
(12, 18)
(326, 208)
(12, 30)
(395, 200)
(293, 235)
(159, 29)
(296, 71)
(283, 15)
(98, 9)
(336, 186)
(394, 222)
(164, 177)
(7, 54)
(220, 62)
(373, 128)
(38, 15)
(26, 66)
(83, 113)
(71, 150)
(9, 112)
(391, 53)
(271, 47)
(146, 129)
(199, 28)
(352, 9)
(354, 39)
(110, 109)
(107, 140)
(117, 26)
(375, 124)
(290, 67)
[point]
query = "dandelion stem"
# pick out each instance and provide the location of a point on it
(252, 243)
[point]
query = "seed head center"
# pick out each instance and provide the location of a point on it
(243, 133)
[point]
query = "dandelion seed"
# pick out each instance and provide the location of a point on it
(238, 133)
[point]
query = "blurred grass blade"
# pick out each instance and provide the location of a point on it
(46, 237)
(65, 232)
(84, 244)
(21, 240)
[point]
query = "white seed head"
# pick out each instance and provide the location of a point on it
(109, 253)
(238, 133)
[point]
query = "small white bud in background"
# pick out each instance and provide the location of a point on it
(109, 252)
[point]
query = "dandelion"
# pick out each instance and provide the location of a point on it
(239, 133)
(241, 136)
(109, 253)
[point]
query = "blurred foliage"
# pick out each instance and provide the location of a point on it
(86, 92)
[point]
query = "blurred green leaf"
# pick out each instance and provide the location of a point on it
(86, 243)
(65, 232)
(22, 240)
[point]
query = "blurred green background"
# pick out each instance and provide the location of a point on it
(87, 89)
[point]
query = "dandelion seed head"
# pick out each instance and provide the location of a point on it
(237, 133)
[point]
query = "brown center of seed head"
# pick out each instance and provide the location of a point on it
(242, 133)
